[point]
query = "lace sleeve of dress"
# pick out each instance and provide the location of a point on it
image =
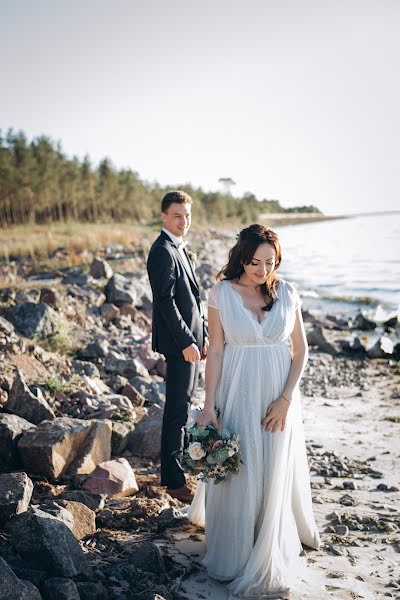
(294, 295)
(213, 297)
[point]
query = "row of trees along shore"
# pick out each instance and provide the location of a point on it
(40, 184)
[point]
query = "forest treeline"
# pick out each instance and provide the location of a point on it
(40, 184)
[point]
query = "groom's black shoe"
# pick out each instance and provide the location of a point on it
(183, 494)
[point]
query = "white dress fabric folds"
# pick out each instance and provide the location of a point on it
(255, 521)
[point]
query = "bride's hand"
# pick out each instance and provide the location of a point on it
(208, 417)
(276, 415)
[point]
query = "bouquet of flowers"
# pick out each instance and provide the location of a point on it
(211, 455)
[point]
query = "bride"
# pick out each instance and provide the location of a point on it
(256, 521)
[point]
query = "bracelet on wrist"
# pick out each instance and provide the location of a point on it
(287, 400)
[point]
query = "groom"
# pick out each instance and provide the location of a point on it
(179, 331)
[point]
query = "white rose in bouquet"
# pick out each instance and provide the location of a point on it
(195, 450)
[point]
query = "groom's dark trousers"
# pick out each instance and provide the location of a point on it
(178, 322)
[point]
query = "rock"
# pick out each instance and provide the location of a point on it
(44, 541)
(27, 295)
(11, 428)
(115, 478)
(391, 323)
(30, 367)
(75, 276)
(80, 519)
(15, 494)
(6, 327)
(109, 312)
(58, 588)
(56, 511)
(82, 367)
(94, 350)
(33, 320)
(26, 404)
(11, 588)
(92, 591)
(49, 296)
(147, 557)
(146, 356)
(315, 337)
(145, 440)
(382, 487)
(34, 576)
(169, 517)
(100, 268)
(116, 362)
(153, 392)
(362, 323)
(347, 500)
(353, 347)
(119, 291)
(342, 530)
(120, 436)
(133, 394)
(109, 406)
(65, 446)
(92, 501)
(383, 348)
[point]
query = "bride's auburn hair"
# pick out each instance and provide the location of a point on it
(242, 253)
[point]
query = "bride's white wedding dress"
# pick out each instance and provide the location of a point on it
(255, 521)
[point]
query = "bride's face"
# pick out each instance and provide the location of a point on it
(261, 265)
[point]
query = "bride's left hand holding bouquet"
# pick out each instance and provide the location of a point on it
(211, 454)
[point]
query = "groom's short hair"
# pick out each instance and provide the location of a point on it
(177, 196)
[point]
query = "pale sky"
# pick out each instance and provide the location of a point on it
(296, 100)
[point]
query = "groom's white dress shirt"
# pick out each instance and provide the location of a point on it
(180, 244)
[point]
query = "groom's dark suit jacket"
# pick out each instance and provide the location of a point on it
(178, 319)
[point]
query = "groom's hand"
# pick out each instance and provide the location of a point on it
(191, 353)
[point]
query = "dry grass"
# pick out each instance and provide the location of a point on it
(39, 242)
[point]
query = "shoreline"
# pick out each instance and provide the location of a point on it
(284, 219)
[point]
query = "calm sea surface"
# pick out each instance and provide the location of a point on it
(346, 264)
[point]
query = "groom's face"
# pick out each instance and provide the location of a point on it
(177, 218)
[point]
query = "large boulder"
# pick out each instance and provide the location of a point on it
(11, 429)
(45, 542)
(65, 446)
(119, 290)
(33, 320)
(12, 588)
(145, 440)
(26, 404)
(77, 516)
(15, 494)
(115, 478)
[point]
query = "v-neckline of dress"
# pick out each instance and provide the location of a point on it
(252, 314)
